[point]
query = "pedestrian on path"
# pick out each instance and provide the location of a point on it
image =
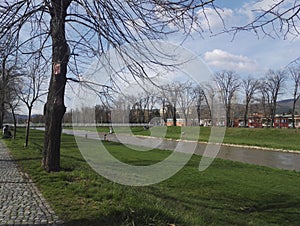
(6, 132)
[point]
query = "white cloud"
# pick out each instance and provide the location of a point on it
(251, 8)
(211, 19)
(272, 16)
(227, 61)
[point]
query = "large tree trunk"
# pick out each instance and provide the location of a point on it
(1, 111)
(293, 113)
(199, 114)
(28, 126)
(15, 121)
(228, 115)
(55, 109)
(174, 116)
(2, 92)
(273, 115)
(164, 113)
(246, 114)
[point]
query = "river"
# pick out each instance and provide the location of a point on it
(288, 160)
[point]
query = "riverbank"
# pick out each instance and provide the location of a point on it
(285, 140)
(276, 158)
(227, 193)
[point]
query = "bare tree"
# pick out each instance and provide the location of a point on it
(228, 83)
(274, 83)
(146, 103)
(8, 98)
(137, 113)
(86, 28)
(121, 108)
(32, 88)
(11, 98)
(210, 92)
(8, 69)
(162, 97)
(265, 100)
(13, 106)
(199, 97)
(5, 86)
(171, 93)
(280, 18)
(250, 86)
(3, 90)
(294, 72)
(102, 113)
(186, 99)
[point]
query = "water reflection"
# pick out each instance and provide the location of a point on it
(277, 159)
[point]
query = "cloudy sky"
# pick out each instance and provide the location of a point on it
(245, 52)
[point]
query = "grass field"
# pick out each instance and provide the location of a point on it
(267, 137)
(227, 193)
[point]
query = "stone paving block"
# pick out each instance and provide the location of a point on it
(20, 201)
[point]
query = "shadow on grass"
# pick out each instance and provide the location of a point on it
(19, 160)
(276, 205)
(68, 157)
(279, 203)
(143, 216)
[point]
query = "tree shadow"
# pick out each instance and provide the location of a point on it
(143, 216)
(277, 203)
(282, 205)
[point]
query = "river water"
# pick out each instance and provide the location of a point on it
(264, 157)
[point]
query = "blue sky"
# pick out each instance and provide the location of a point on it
(233, 4)
(247, 53)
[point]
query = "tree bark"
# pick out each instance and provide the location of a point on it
(1, 112)
(164, 113)
(15, 121)
(246, 113)
(295, 99)
(293, 112)
(273, 113)
(2, 91)
(174, 116)
(54, 108)
(28, 126)
(199, 113)
(228, 115)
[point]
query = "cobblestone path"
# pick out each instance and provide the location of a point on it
(20, 201)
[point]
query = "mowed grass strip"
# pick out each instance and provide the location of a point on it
(227, 193)
(287, 139)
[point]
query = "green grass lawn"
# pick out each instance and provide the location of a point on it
(267, 137)
(227, 193)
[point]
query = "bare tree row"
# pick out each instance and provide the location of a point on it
(62, 30)
(189, 101)
(22, 83)
(265, 91)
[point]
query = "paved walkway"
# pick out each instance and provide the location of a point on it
(20, 201)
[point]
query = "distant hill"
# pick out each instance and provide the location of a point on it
(285, 106)
(8, 118)
(21, 119)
